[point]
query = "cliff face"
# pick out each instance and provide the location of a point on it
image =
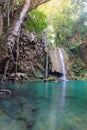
(30, 63)
(31, 60)
(55, 59)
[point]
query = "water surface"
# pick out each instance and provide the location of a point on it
(45, 105)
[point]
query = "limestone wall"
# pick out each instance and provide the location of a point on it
(55, 59)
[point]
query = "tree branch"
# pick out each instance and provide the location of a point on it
(36, 3)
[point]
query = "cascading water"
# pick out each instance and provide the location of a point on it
(62, 63)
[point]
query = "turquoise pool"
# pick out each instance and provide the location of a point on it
(45, 106)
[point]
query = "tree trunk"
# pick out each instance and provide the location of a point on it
(17, 55)
(28, 5)
(17, 28)
(14, 34)
(1, 21)
(5, 71)
(36, 3)
(46, 65)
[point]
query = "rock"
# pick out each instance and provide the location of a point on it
(70, 97)
(38, 74)
(34, 109)
(5, 91)
(86, 75)
(18, 76)
(51, 78)
(1, 112)
(21, 118)
(30, 122)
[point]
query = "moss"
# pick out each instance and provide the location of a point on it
(2, 48)
(50, 78)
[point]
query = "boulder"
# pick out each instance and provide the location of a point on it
(19, 76)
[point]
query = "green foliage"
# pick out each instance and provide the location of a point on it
(63, 26)
(37, 21)
(68, 20)
(20, 1)
(80, 25)
(2, 48)
(77, 67)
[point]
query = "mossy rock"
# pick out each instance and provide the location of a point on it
(38, 74)
(51, 78)
(1, 112)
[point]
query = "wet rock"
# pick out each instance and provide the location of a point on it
(34, 108)
(50, 78)
(30, 122)
(19, 76)
(1, 112)
(21, 118)
(70, 97)
(38, 74)
(6, 91)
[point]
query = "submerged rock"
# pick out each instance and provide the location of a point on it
(34, 109)
(30, 122)
(5, 92)
(70, 97)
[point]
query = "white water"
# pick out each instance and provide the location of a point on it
(62, 63)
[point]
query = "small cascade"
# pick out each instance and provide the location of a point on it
(62, 63)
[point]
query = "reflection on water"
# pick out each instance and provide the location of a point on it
(46, 89)
(45, 106)
(63, 96)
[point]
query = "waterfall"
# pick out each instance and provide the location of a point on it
(62, 63)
